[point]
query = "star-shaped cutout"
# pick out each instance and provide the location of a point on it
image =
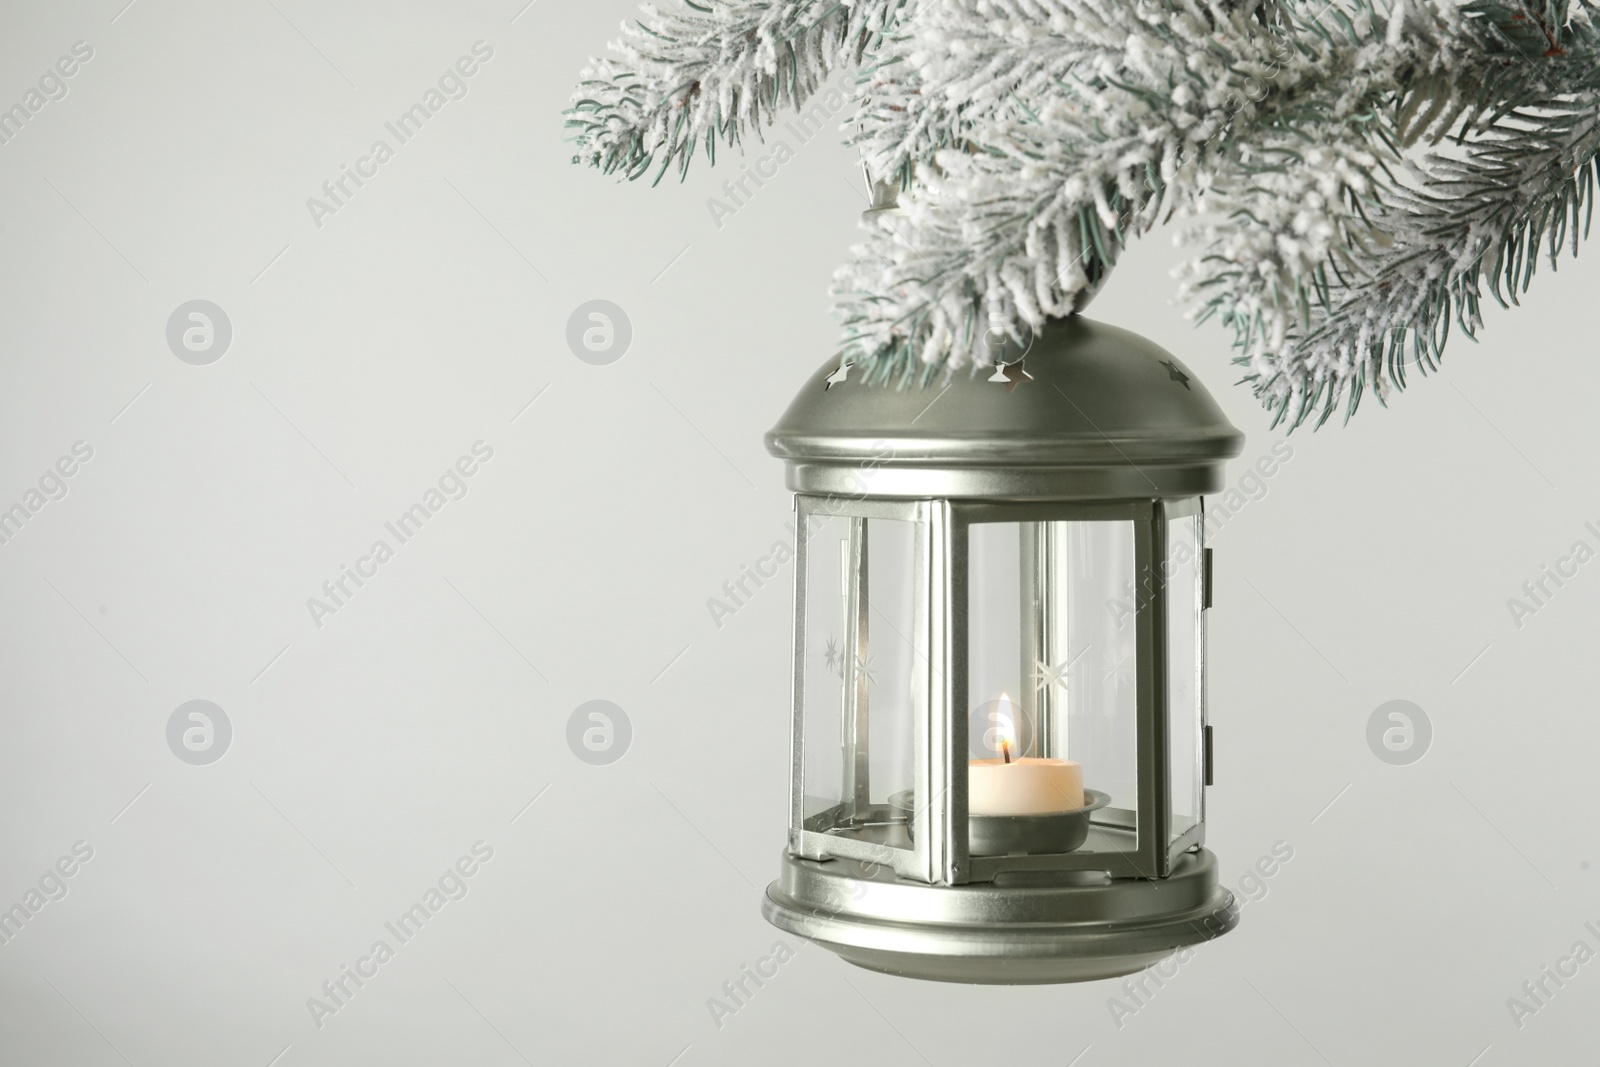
(1118, 670)
(1175, 374)
(838, 376)
(864, 670)
(831, 656)
(1012, 374)
(1047, 675)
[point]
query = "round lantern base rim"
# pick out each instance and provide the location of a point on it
(994, 971)
(1000, 952)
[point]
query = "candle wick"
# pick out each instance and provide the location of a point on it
(1005, 748)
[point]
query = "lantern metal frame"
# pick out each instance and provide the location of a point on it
(932, 910)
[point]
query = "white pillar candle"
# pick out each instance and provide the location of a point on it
(1025, 786)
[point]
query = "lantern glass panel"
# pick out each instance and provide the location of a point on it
(863, 676)
(1052, 654)
(822, 693)
(1183, 572)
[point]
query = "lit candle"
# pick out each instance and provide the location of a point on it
(1021, 785)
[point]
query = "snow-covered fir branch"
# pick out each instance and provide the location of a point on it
(712, 71)
(1324, 305)
(1353, 172)
(1023, 221)
(1334, 286)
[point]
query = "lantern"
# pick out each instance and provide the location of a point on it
(1000, 745)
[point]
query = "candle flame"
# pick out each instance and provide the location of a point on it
(1005, 725)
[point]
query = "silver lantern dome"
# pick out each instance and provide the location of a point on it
(1088, 412)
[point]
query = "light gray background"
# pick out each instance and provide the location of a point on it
(370, 753)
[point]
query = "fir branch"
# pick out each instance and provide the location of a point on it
(1021, 227)
(1476, 222)
(1338, 239)
(1325, 303)
(710, 73)
(1367, 171)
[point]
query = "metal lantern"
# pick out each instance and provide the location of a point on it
(1000, 746)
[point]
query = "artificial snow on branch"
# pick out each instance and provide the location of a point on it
(1384, 296)
(1352, 175)
(711, 72)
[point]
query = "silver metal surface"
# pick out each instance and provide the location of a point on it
(1033, 612)
(1071, 927)
(939, 759)
(1169, 511)
(797, 710)
(1150, 702)
(856, 750)
(1008, 835)
(1095, 413)
(885, 196)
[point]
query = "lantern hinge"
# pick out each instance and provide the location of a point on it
(1210, 765)
(1206, 580)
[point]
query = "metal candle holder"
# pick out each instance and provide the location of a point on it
(1016, 835)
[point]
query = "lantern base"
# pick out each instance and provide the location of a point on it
(1075, 930)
